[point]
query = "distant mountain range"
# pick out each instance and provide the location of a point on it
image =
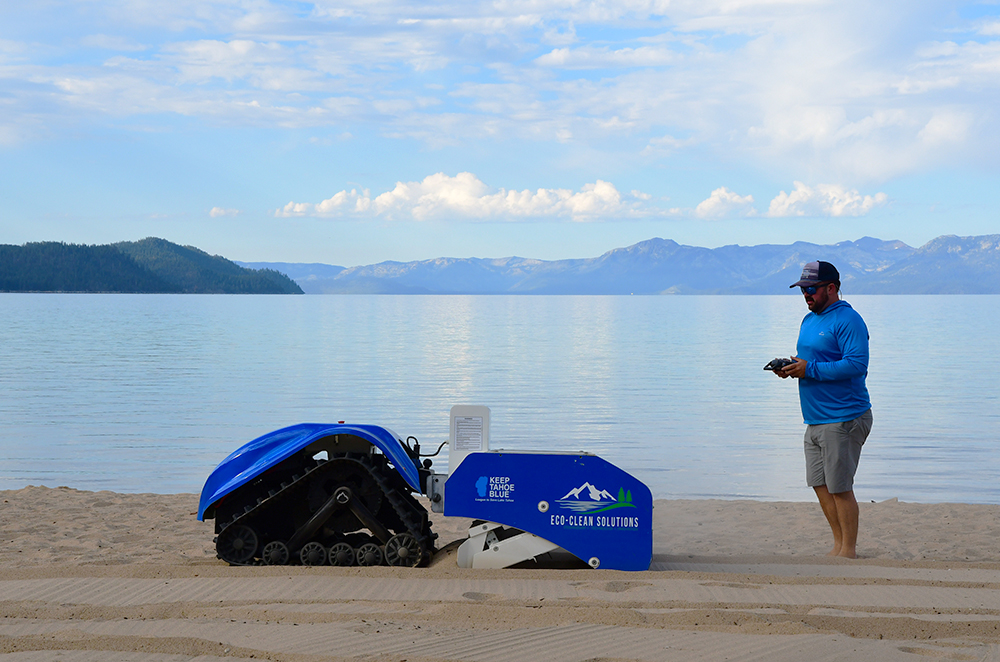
(149, 265)
(946, 265)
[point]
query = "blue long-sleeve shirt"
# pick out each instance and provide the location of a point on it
(835, 343)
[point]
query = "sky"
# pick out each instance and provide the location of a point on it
(355, 132)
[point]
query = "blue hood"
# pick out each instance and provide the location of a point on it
(256, 457)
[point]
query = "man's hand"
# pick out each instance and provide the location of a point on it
(796, 370)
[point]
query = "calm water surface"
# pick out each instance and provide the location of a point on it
(147, 393)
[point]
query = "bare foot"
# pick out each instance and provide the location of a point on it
(835, 551)
(848, 554)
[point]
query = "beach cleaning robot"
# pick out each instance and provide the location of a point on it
(345, 494)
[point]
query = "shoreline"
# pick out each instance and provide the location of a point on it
(134, 578)
(113, 528)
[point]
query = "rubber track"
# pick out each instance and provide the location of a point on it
(411, 514)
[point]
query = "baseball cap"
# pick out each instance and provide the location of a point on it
(817, 272)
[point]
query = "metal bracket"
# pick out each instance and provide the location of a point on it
(435, 491)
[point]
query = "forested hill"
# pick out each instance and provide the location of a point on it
(149, 265)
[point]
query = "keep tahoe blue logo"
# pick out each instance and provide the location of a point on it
(495, 488)
(590, 499)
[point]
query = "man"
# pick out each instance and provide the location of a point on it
(831, 366)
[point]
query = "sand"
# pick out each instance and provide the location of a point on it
(101, 576)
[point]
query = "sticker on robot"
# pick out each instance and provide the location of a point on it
(591, 500)
(495, 488)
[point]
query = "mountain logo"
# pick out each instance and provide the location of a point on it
(590, 499)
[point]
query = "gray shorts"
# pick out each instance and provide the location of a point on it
(833, 451)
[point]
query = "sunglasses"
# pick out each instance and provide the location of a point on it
(812, 288)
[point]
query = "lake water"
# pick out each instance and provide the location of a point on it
(147, 393)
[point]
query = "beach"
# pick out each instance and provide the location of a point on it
(134, 577)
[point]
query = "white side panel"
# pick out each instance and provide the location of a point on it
(468, 432)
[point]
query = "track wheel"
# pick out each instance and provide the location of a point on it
(313, 553)
(369, 554)
(341, 554)
(403, 550)
(275, 553)
(237, 544)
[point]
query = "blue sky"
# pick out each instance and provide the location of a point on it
(355, 132)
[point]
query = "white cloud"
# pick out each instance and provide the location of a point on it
(560, 35)
(10, 135)
(946, 128)
(466, 197)
(111, 42)
(846, 91)
(267, 66)
(990, 28)
(824, 200)
(601, 58)
(217, 212)
(9, 46)
(180, 15)
(723, 202)
(667, 144)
